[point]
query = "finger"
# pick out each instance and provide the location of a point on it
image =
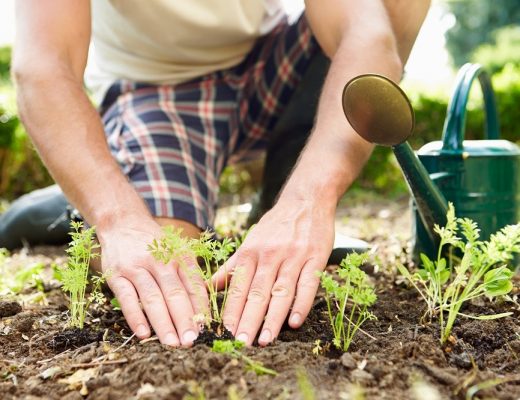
(155, 307)
(306, 289)
(219, 280)
(191, 278)
(177, 301)
(282, 296)
(127, 297)
(257, 301)
(238, 288)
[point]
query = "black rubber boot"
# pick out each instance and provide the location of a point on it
(39, 217)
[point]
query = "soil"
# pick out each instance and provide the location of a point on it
(397, 356)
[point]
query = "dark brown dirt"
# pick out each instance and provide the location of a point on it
(9, 308)
(398, 356)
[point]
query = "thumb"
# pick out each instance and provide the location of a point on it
(223, 274)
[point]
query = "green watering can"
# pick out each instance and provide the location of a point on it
(480, 177)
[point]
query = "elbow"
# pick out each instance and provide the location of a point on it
(29, 70)
(26, 73)
(380, 41)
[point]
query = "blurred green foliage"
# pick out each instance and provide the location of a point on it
(5, 62)
(476, 20)
(21, 170)
(504, 51)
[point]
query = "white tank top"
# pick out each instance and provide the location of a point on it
(173, 41)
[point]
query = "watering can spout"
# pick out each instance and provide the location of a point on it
(380, 112)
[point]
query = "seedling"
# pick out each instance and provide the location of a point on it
(481, 271)
(14, 282)
(213, 254)
(317, 349)
(304, 385)
(352, 286)
(74, 275)
(233, 347)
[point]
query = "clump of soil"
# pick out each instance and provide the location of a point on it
(216, 331)
(73, 339)
(9, 308)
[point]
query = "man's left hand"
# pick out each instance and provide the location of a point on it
(277, 263)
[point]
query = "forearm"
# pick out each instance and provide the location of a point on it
(335, 154)
(68, 134)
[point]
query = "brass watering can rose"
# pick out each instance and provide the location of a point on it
(378, 110)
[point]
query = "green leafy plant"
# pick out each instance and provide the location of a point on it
(74, 276)
(213, 254)
(352, 286)
(25, 276)
(481, 271)
(233, 348)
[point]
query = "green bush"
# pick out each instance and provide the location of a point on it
(505, 50)
(5, 62)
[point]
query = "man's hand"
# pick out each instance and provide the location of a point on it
(281, 255)
(51, 51)
(170, 295)
(278, 260)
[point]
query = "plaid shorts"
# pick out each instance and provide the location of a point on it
(173, 141)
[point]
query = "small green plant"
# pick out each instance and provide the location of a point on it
(233, 348)
(195, 392)
(351, 286)
(13, 282)
(212, 253)
(481, 271)
(74, 275)
(305, 385)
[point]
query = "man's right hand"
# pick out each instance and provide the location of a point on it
(51, 51)
(170, 295)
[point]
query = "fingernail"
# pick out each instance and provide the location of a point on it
(243, 337)
(189, 336)
(265, 336)
(141, 331)
(296, 319)
(171, 340)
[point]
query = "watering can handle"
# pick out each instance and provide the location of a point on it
(453, 133)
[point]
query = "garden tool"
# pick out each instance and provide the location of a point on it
(480, 177)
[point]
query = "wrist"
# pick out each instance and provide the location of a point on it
(314, 192)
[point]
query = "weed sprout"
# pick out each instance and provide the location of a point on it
(481, 271)
(173, 246)
(352, 286)
(74, 275)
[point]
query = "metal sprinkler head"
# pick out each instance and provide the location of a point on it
(378, 110)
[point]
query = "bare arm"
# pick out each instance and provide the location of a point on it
(49, 61)
(50, 56)
(278, 261)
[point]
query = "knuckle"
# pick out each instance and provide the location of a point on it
(246, 256)
(131, 273)
(151, 298)
(236, 292)
(299, 246)
(173, 292)
(256, 295)
(281, 289)
(308, 282)
(269, 252)
(196, 289)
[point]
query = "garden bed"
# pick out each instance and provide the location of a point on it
(395, 357)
